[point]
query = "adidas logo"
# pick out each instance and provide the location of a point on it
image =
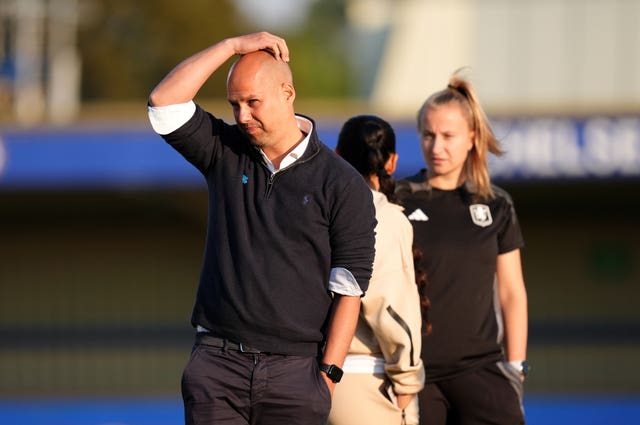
(418, 215)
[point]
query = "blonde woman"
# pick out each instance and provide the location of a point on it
(475, 358)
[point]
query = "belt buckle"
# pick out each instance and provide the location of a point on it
(247, 349)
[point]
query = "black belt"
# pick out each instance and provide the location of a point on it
(205, 338)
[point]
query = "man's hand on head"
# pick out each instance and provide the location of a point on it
(273, 44)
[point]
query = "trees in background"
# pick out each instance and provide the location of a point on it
(127, 47)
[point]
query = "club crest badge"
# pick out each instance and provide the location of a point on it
(481, 215)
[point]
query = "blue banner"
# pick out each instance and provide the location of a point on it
(91, 158)
(561, 148)
(537, 148)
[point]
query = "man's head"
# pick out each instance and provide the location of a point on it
(261, 93)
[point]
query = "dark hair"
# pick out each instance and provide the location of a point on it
(421, 282)
(367, 142)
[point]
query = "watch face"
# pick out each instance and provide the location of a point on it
(333, 372)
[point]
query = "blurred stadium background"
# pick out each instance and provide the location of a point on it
(102, 224)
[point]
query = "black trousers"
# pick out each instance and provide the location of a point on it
(227, 386)
(490, 395)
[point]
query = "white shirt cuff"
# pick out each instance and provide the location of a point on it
(167, 119)
(342, 282)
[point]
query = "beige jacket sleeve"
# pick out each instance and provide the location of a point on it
(390, 321)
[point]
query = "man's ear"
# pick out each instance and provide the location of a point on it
(289, 92)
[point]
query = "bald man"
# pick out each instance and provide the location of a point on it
(289, 247)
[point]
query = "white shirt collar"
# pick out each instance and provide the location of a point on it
(304, 125)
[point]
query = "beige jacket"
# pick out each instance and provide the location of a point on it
(390, 318)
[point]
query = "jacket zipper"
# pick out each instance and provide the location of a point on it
(404, 326)
(270, 180)
(272, 176)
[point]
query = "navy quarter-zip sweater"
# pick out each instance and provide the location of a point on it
(272, 240)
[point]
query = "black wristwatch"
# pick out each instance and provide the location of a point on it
(333, 372)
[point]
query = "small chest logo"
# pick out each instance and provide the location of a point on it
(481, 215)
(418, 215)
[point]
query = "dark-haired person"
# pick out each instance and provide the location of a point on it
(383, 371)
(475, 358)
(289, 247)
